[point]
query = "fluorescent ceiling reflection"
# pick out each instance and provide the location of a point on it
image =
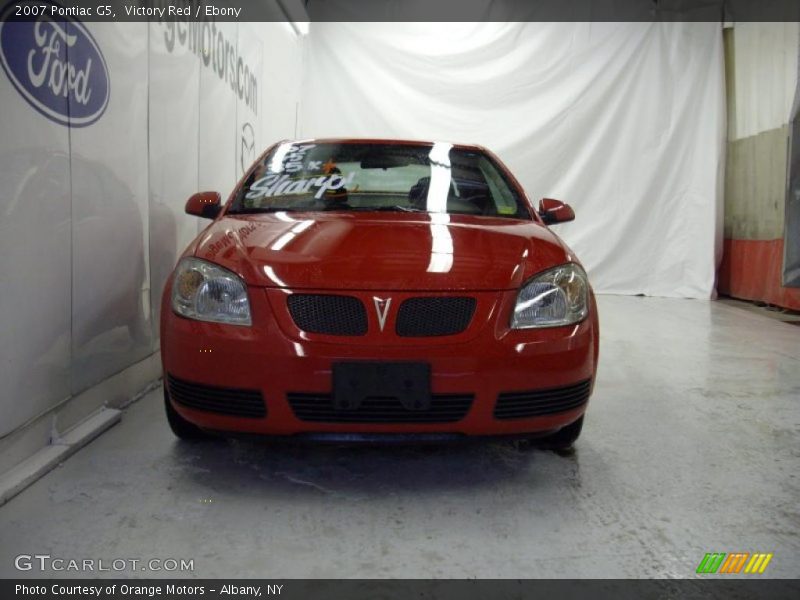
(282, 215)
(439, 187)
(270, 272)
(276, 164)
(438, 190)
(441, 244)
(287, 237)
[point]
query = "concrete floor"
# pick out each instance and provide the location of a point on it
(690, 446)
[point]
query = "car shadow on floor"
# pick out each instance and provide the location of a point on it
(367, 471)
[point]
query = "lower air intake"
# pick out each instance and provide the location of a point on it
(536, 403)
(319, 408)
(224, 401)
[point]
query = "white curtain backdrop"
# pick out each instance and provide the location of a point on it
(625, 121)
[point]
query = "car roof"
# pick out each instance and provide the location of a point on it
(388, 141)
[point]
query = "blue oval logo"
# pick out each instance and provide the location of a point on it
(56, 65)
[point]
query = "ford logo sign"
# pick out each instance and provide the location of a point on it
(56, 65)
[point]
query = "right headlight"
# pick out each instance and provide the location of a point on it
(556, 297)
(204, 291)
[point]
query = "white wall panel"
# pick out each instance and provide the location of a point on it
(217, 130)
(91, 217)
(111, 289)
(173, 149)
(765, 72)
(209, 123)
(35, 240)
(282, 81)
(248, 87)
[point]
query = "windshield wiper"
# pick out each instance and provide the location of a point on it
(263, 209)
(392, 208)
(273, 209)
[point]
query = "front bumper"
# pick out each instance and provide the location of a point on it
(280, 361)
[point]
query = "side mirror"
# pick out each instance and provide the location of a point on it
(204, 204)
(555, 211)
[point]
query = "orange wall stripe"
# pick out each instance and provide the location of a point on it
(752, 270)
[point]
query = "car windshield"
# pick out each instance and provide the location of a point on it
(360, 176)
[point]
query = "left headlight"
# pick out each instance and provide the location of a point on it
(204, 291)
(556, 297)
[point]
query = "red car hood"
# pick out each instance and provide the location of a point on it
(391, 251)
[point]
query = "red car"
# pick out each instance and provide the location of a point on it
(378, 290)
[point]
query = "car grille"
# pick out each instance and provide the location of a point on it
(329, 315)
(319, 408)
(434, 316)
(225, 401)
(535, 403)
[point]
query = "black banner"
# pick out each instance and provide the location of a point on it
(405, 10)
(405, 589)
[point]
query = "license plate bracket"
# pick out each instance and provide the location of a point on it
(408, 382)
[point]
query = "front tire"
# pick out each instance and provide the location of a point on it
(180, 426)
(563, 439)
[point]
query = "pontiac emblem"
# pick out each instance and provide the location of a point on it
(382, 309)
